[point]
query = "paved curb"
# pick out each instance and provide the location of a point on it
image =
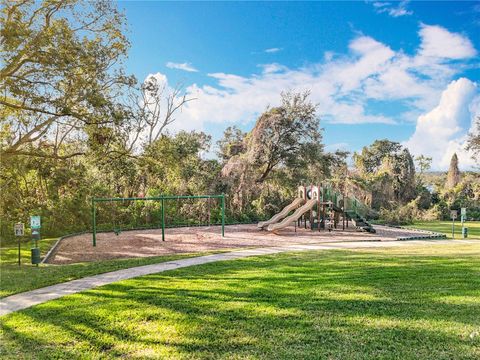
(35, 297)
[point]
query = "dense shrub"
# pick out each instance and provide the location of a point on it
(402, 215)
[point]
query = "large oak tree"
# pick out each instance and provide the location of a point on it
(61, 75)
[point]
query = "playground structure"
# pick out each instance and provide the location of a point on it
(154, 230)
(317, 205)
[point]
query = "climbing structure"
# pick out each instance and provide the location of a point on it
(320, 207)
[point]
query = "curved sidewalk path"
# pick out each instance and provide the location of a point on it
(30, 298)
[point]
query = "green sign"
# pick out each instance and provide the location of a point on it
(35, 222)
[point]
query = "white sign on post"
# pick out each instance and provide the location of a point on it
(35, 222)
(453, 214)
(19, 229)
(464, 212)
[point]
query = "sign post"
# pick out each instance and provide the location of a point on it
(463, 214)
(35, 225)
(19, 230)
(453, 215)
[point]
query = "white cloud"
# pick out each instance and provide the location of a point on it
(273, 50)
(400, 9)
(272, 68)
(439, 42)
(342, 84)
(181, 66)
(373, 58)
(239, 99)
(419, 79)
(328, 55)
(442, 131)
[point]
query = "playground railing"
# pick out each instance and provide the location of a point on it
(355, 205)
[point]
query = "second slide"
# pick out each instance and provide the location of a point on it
(286, 210)
(294, 217)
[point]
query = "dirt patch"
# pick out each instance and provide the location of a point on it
(143, 243)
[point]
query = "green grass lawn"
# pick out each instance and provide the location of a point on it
(445, 227)
(402, 303)
(15, 279)
(9, 251)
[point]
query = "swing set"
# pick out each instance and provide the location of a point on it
(115, 225)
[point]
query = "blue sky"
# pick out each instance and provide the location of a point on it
(406, 71)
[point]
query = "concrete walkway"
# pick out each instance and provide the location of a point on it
(39, 296)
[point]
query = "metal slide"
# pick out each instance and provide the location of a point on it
(294, 217)
(286, 210)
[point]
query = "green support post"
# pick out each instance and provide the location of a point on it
(223, 215)
(163, 219)
(94, 223)
(453, 228)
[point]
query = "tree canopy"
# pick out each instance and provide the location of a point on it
(371, 158)
(61, 75)
(473, 143)
(388, 170)
(285, 135)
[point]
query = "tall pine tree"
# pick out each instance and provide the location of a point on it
(453, 176)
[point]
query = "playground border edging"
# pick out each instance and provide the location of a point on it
(54, 247)
(428, 234)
